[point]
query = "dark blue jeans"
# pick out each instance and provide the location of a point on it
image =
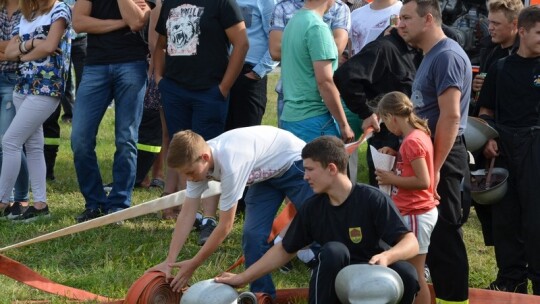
(202, 111)
(262, 203)
(126, 84)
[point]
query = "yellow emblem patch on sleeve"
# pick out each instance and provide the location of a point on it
(355, 234)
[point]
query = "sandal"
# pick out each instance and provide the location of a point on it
(157, 183)
(169, 213)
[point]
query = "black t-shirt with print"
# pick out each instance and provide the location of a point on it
(118, 46)
(366, 217)
(516, 92)
(197, 45)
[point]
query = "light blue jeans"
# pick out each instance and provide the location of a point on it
(26, 129)
(126, 84)
(311, 128)
(7, 113)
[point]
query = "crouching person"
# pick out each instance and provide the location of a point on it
(265, 158)
(347, 219)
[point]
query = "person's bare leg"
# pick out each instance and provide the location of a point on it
(423, 296)
(158, 171)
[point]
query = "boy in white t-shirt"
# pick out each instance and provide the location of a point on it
(265, 158)
(369, 21)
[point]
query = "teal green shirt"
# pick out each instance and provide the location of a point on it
(306, 39)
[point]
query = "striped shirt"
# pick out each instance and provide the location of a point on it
(7, 24)
(337, 17)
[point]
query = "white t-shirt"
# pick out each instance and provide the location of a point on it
(246, 156)
(367, 24)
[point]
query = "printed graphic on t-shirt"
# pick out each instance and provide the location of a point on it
(183, 30)
(417, 99)
(259, 174)
(363, 36)
(536, 81)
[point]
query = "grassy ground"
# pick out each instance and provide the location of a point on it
(107, 260)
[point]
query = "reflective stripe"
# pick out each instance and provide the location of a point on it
(148, 148)
(52, 141)
(441, 301)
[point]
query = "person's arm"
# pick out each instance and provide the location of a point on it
(372, 121)
(491, 148)
(187, 267)
(265, 64)
(152, 34)
(239, 41)
(329, 93)
(84, 23)
(3, 45)
(41, 48)
(419, 181)
(477, 82)
(272, 259)
(405, 249)
(341, 37)
(340, 26)
(277, 25)
(446, 129)
(12, 52)
(135, 13)
(183, 226)
(486, 104)
(158, 58)
(274, 44)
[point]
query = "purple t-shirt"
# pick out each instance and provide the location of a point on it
(445, 65)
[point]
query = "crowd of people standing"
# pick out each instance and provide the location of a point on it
(178, 65)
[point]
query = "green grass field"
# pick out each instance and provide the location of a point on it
(107, 260)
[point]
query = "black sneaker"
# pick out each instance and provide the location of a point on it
(206, 230)
(286, 268)
(509, 286)
(31, 214)
(16, 210)
(88, 214)
(4, 213)
(198, 221)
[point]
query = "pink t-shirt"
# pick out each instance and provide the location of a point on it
(416, 145)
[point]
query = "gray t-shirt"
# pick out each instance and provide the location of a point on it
(445, 65)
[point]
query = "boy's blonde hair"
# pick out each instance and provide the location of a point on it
(510, 8)
(398, 104)
(185, 148)
(30, 8)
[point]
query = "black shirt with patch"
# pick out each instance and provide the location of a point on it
(514, 94)
(366, 217)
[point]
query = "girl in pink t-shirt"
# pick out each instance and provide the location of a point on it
(413, 180)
